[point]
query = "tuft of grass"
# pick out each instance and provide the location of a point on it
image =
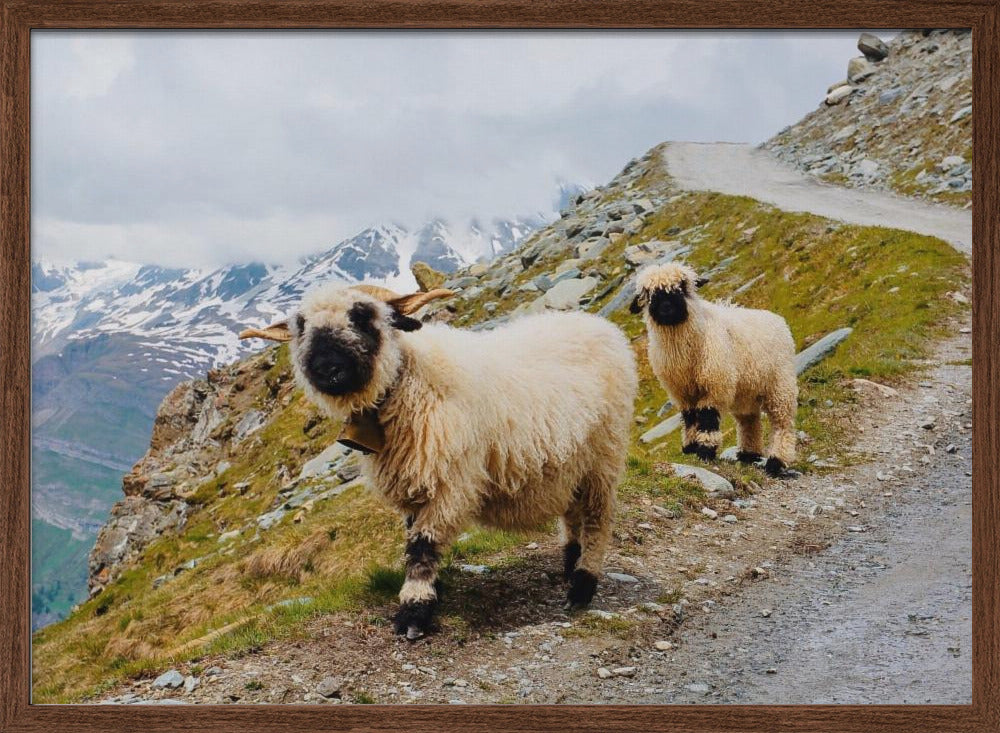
(593, 625)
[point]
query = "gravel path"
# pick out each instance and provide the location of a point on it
(882, 616)
(744, 170)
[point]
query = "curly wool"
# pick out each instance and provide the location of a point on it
(733, 359)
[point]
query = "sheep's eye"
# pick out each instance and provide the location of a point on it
(300, 323)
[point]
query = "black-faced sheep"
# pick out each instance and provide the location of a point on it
(507, 428)
(714, 357)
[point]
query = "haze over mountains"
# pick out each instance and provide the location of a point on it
(111, 338)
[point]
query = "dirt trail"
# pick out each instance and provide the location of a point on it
(744, 170)
(884, 615)
(851, 586)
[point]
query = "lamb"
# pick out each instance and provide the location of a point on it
(714, 357)
(506, 428)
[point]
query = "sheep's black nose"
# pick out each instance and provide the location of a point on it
(329, 366)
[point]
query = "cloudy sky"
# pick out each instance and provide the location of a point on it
(198, 148)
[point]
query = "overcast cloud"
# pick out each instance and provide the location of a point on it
(198, 148)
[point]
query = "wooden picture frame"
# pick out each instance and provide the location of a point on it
(20, 17)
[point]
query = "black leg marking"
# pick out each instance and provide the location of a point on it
(415, 618)
(776, 468)
(708, 420)
(571, 553)
(748, 457)
(582, 586)
(704, 452)
(690, 448)
(690, 418)
(421, 559)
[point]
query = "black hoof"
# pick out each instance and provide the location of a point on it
(414, 619)
(749, 458)
(689, 448)
(571, 553)
(582, 586)
(706, 452)
(776, 468)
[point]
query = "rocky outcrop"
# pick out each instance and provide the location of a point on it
(901, 121)
(196, 427)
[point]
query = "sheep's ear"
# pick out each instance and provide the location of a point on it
(639, 302)
(404, 323)
(702, 282)
(407, 304)
(275, 332)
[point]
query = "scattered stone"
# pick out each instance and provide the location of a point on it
(820, 350)
(838, 95)
(623, 671)
(873, 47)
(765, 612)
(169, 680)
(623, 578)
(859, 69)
(961, 114)
(716, 486)
(710, 513)
(604, 673)
(190, 683)
(663, 646)
(662, 430)
(329, 687)
(474, 569)
(699, 688)
(730, 519)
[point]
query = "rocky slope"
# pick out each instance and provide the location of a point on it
(900, 123)
(243, 529)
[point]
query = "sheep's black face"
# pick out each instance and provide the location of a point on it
(668, 307)
(341, 361)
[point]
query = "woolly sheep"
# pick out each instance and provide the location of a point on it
(714, 357)
(506, 428)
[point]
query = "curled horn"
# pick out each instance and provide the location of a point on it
(405, 304)
(274, 332)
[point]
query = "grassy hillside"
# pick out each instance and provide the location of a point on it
(227, 584)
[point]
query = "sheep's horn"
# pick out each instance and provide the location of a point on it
(377, 292)
(408, 304)
(274, 332)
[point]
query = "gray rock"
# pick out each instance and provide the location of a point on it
(622, 298)
(329, 687)
(324, 462)
(662, 430)
(623, 578)
(570, 273)
(838, 95)
(891, 95)
(715, 485)
(961, 114)
(593, 248)
(542, 282)
(190, 683)
(859, 69)
(566, 294)
(873, 47)
(699, 688)
(867, 168)
(248, 425)
(820, 350)
(169, 680)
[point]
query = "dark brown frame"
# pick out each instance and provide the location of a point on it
(19, 17)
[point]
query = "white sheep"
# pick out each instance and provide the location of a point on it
(506, 428)
(714, 357)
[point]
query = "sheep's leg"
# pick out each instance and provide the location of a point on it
(702, 435)
(597, 509)
(750, 438)
(418, 596)
(572, 523)
(782, 450)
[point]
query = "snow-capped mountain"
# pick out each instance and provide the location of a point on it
(111, 338)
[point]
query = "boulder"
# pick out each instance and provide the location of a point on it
(873, 47)
(820, 350)
(838, 95)
(426, 276)
(859, 69)
(170, 679)
(715, 485)
(564, 295)
(662, 430)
